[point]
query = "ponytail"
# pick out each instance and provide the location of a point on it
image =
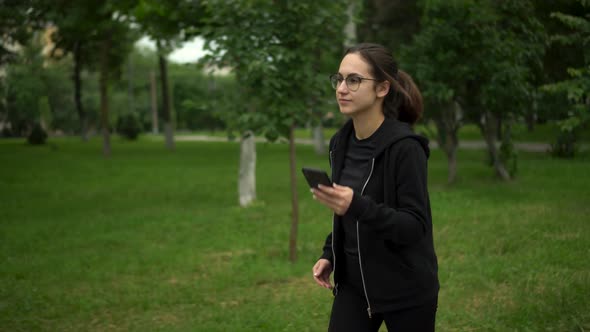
(404, 100)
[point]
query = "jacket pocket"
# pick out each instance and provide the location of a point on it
(398, 254)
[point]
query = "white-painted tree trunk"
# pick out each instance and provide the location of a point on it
(350, 27)
(317, 133)
(154, 101)
(247, 173)
(169, 135)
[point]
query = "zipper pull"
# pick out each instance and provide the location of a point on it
(369, 312)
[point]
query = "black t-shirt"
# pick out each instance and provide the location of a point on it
(356, 166)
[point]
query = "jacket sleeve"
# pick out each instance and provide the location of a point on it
(410, 221)
(327, 249)
(327, 253)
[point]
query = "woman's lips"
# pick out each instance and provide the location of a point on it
(344, 101)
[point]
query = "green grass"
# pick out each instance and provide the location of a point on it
(152, 240)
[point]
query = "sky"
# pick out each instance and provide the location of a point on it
(190, 51)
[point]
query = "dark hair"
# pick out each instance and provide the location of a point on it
(404, 100)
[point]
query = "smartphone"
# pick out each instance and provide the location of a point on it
(316, 176)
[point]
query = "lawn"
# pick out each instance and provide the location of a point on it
(152, 240)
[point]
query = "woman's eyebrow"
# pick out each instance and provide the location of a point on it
(350, 74)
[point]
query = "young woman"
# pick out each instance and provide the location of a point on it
(381, 248)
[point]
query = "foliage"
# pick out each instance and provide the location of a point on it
(195, 96)
(129, 126)
(577, 87)
(479, 55)
(483, 55)
(563, 146)
(22, 89)
(168, 21)
(18, 20)
(274, 48)
(132, 93)
(390, 23)
(83, 26)
(60, 93)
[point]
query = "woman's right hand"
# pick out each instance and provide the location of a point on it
(321, 273)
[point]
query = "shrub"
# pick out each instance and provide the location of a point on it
(129, 126)
(565, 144)
(37, 136)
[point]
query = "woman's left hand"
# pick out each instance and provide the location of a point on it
(337, 197)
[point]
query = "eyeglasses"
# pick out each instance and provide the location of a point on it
(353, 82)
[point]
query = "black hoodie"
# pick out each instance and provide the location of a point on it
(394, 225)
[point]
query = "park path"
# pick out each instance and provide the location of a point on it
(467, 145)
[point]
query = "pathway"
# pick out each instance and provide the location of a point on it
(468, 145)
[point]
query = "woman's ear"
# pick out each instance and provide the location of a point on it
(383, 89)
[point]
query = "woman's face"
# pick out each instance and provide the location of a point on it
(366, 98)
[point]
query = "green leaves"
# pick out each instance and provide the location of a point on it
(275, 50)
(482, 55)
(168, 21)
(577, 87)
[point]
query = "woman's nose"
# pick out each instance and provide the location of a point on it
(342, 87)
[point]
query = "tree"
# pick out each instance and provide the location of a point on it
(435, 58)
(557, 59)
(18, 20)
(24, 91)
(168, 22)
(74, 26)
(197, 97)
(98, 36)
(502, 89)
(133, 92)
(271, 46)
(112, 54)
(391, 23)
(474, 61)
(577, 86)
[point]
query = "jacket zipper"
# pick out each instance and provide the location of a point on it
(333, 228)
(358, 242)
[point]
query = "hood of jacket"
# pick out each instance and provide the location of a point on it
(393, 131)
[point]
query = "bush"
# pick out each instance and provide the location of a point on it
(129, 126)
(565, 145)
(37, 136)
(6, 132)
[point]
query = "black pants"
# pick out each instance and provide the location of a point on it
(349, 314)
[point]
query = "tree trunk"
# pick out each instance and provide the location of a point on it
(168, 127)
(447, 124)
(452, 165)
(247, 173)
(530, 116)
(104, 97)
(488, 128)
(350, 35)
(154, 94)
(130, 84)
(78, 91)
(530, 121)
(294, 197)
(317, 131)
(319, 143)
